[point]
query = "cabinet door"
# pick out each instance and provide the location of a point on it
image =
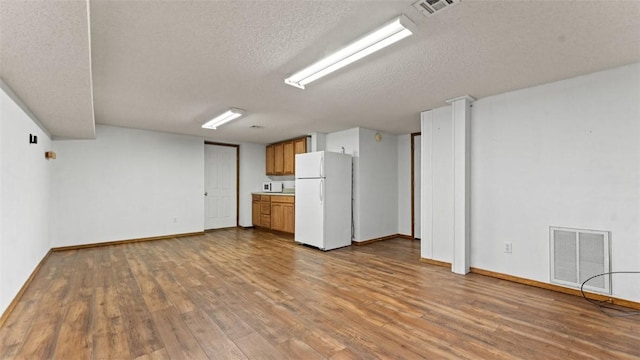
(277, 219)
(265, 221)
(278, 162)
(289, 216)
(289, 158)
(255, 213)
(300, 146)
(265, 207)
(270, 161)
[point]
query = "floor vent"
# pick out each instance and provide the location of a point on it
(577, 255)
(430, 7)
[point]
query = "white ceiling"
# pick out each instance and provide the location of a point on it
(45, 60)
(173, 65)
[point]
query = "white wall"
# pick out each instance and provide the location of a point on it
(375, 180)
(317, 142)
(561, 154)
(437, 185)
(404, 184)
(24, 198)
(252, 175)
(349, 139)
(378, 181)
(126, 184)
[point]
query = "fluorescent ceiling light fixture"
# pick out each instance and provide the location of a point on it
(393, 31)
(231, 114)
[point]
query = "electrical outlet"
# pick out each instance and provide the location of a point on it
(175, 220)
(507, 247)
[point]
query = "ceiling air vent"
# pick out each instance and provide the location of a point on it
(430, 7)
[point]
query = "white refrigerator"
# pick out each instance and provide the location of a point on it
(323, 199)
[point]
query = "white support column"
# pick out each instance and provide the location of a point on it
(426, 191)
(461, 109)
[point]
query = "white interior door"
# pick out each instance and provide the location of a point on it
(417, 145)
(220, 186)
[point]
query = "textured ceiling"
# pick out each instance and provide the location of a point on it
(173, 65)
(45, 59)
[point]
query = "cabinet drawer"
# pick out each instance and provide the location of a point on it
(265, 197)
(283, 199)
(255, 197)
(265, 208)
(265, 221)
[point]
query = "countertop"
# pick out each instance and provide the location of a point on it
(274, 193)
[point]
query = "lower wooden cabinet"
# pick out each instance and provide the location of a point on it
(289, 218)
(255, 210)
(261, 210)
(277, 217)
(276, 214)
(265, 220)
(283, 213)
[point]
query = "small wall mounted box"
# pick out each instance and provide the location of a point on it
(49, 155)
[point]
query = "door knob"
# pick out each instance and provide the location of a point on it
(206, 193)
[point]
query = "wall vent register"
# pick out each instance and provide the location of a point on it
(577, 255)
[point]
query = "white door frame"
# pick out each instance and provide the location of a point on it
(237, 173)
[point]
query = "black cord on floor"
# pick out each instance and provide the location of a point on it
(605, 306)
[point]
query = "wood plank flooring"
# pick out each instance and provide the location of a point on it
(248, 294)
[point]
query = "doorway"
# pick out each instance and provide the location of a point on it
(220, 185)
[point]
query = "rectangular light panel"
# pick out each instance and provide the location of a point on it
(224, 118)
(392, 32)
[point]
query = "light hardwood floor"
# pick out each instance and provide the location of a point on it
(237, 294)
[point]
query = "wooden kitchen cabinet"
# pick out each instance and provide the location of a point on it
(255, 210)
(270, 160)
(274, 212)
(277, 216)
(283, 213)
(278, 155)
(289, 218)
(265, 221)
(288, 158)
(281, 157)
(265, 211)
(261, 210)
(299, 146)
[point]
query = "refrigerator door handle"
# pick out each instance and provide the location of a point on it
(321, 190)
(322, 165)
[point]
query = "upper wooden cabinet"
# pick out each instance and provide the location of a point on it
(281, 157)
(300, 146)
(289, 158)
(270, 160)
(278, 163)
